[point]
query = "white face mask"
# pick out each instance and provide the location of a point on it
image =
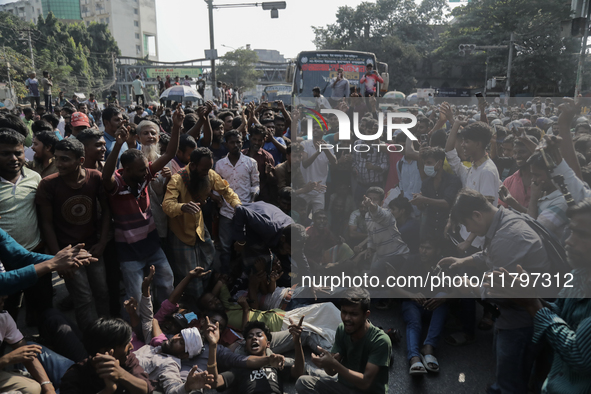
(430, 171)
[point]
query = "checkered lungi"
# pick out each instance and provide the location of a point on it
(188, 257)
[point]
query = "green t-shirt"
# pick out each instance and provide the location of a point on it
(375, 347)
(273, 318)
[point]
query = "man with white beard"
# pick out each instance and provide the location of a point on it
(148, 135)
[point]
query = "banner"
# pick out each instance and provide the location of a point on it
(174, 72)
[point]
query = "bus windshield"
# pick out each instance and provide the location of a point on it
(318, 68)
(278, 92)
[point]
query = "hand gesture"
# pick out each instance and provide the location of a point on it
(212, 332)
(569, 109)
(536, 189)
(72, 257)
(121, 135)
(317, 145)
(296, 329)
(107, 367)
(326, 360)
(446, 112)
(131, 307)
(159, 111)
(551, 146)
(178, 117)
(148, 281)
(450, 262)
(191, 208)
(166, 173)
(505, 194)
(198, 380)
(369, 204)
(417, 199)
(275, 275)
(280, 105)
(268, 168)
(276, 361)
(198, 272)
(23, 354)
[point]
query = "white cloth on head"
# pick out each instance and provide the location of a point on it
(193, 341)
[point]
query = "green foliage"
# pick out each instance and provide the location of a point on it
(400, 33)
(238, 68)
(542, 62)
(78, 57)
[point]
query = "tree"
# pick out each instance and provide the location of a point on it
(399, 32)
(238, 68)
(542, 62)
(78, 57)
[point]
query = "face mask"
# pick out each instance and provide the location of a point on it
(430, 171)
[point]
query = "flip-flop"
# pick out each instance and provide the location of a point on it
(412, 371)
(429, 359)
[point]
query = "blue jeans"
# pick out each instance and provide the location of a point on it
(54, 364)
(515, 358)
(133, 276)
(413, 315)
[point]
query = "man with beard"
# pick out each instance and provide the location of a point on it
(189, 238)
(360, 354)
(136, 237)
(516, 189)
(566, 324)
(43, 161)
(112, 367)
(241, 172)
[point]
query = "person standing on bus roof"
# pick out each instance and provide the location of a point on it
(340, 87)
(370, 80)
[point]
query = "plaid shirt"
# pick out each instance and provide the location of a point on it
(383, 235)
(375, 157)
(136, 236)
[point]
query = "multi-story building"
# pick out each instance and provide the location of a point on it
(28, 10)
(131, 22)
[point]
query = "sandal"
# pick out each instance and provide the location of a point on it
(420, 371)
(429, 359)
(459, 339)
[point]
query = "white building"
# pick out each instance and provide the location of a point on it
(28, 10)
(132, 23)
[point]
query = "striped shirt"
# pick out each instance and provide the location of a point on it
(566, 326)
(136, 236)
(552, 215)
(383, 235)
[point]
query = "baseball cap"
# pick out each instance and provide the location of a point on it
(79, 119)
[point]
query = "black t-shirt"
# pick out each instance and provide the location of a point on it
(266, 380)
(201, 85)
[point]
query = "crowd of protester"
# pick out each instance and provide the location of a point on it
(182, 234)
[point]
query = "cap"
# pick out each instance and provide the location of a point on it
(79, 119)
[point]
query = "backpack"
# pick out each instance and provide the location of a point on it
(555, 251)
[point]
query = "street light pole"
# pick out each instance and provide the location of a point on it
(508, 83)
(211, 45)
(582, 55)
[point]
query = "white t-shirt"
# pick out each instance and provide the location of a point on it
(8, 330)
(318, 170)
